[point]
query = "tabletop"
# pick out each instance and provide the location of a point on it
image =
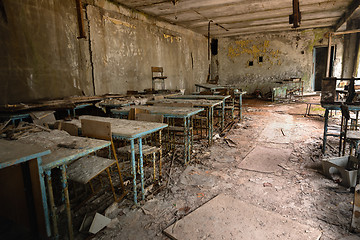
(128, 129)
(64, 147)
(195, 102)
(14, 152)
(209, 97)
(166, 111)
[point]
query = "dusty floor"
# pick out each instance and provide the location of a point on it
(295, 188)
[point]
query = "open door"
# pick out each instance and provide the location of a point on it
(320, 58)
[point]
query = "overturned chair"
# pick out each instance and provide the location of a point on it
(88, 168)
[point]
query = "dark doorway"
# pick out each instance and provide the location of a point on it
(320, 59)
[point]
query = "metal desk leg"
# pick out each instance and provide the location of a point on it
(141, 169)
(325, 129)
(43, 197)
(212, 123)
(160, 155)
(185, 141)
(223, 115)
(133, 170)
(188, 139)
(52, 204)
(67, 200)
(240, 106)
(209, 126)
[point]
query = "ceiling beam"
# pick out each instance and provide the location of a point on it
(347, 15)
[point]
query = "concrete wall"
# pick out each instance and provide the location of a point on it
(126, 44)
(41, 57)
(285, 55)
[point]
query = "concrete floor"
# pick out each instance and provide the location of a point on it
(294, 187)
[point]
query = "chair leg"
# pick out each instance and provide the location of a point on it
(112, 185)
(118, 167)
(160, 154)
(154, 165)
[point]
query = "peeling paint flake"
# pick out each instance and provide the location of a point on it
(172, 38)
(118, 22)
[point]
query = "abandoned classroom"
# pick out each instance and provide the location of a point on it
(179, 119)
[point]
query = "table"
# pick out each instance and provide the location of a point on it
(208, 97)
(212, 87)
(209, 105)
(13, 153)
(131, 130)
(329, 107)
(169, 112)
(64, 149)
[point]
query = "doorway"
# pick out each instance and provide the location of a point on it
(320, 59)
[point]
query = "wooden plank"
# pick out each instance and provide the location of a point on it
(96, 129)
(347, 15)
(225, 217)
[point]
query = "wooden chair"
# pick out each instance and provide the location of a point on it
(346, 134)
(146, 149)
(87, 168)
(157, 75)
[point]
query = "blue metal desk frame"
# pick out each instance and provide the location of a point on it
(168, 112)
(38, 156)
(131, 138)
(208, 97)
(209, 107)
(61, 163)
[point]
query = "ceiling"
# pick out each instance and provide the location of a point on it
(238, 17)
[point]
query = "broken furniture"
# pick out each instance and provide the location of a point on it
(109, 104)
(157, 75)
(130, 130)
(64, 150)
(22, 199)
(346, 134)
(87, 168)
(345, 166)
(308, 107)
(169, 113)
(208, 105)
(288, 88)
(329, 101)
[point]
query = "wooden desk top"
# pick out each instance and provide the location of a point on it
(195, 102)
(64, 148)
(15, 152)
(178, 112)
(128, 129)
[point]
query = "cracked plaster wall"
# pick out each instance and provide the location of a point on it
(285, 55)
(41, 57)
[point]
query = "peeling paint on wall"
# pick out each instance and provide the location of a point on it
(118, 22)
(255, 50)
(172, 38)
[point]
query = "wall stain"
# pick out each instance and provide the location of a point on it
(254, 49)
(118, 22)
(172, 38)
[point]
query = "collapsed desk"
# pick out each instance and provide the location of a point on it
(169, 112)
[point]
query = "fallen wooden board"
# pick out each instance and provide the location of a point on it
(264, 159)
(225, 217)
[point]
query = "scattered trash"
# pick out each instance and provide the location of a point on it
(267, 184)
(94, 223)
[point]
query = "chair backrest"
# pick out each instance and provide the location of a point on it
(134, 111)
(146, 117)
(157, 71)
(70, 128)
(96, 129)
